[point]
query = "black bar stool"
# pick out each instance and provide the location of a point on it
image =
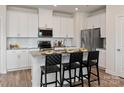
(93, 59)
(74, 63)
(52, 65)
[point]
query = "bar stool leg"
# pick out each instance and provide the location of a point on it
(70, 77)
(63, 74)
(41, 83)
(56, 80)
(45, 80)
(81, 74)
(88, 72)
(98, 75)
(60, 79)
(74, 74)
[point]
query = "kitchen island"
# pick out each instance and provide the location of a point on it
(38, 59)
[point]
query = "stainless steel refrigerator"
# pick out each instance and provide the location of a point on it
(90, 39)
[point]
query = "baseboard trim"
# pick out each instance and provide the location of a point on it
(16, 69)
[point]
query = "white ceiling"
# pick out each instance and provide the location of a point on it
(68, 8)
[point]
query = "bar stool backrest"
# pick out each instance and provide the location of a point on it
(76, 57)
(53, 59)
(93, 56)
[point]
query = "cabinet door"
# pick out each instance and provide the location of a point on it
(23, 59)
(23, 27)
(12, 60)
(96, 21)
(45, 18)
(32, 25)
(17, 24)
(102, 58)
(64, 27)
(93, 22)
(17, 60)
(103, 25)
(56, 26)
(70, 26)
(89, 23)
(13, 22)
(29, 60)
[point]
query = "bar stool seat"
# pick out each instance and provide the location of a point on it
(50, 69)
(73, 66)
(91, 63)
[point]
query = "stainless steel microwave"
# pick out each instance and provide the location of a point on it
(45, 33)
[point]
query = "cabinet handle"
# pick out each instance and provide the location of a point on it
(118, 50)
(18, 34)
(19, 56)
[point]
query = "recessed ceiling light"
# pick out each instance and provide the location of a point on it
(76, 9)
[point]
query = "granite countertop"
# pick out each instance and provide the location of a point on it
(64, 51)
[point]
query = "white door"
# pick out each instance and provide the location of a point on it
(119, 50)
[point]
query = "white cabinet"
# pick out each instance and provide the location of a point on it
(67, 27)
(17, 59)
(45, 18)
(32, 25)
(56, 26)
(22, 24)
(12, 60)
(89, 23)
(103, 24)
(62, 27)
(13, 23)
(97, 21)
(102, 58)
(93, 22)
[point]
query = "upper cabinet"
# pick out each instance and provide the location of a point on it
(97, 21)
(62, 27)
(103, 24)
(93, 22)
(22, 24)
(56, 26)
(67, 27)
(45, 18)
(32, 25)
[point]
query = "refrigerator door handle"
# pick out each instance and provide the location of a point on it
(83, 40)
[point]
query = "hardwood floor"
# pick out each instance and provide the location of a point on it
(20, 78)
(23, 79)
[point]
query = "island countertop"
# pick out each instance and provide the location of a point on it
(52, 51)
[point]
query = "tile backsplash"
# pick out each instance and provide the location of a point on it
(33, 42)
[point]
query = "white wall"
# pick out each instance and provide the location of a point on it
(3, 39)
(79, 24)
(111, 12)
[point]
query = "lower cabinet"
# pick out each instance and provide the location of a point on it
(18, 60)
(102, 58)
